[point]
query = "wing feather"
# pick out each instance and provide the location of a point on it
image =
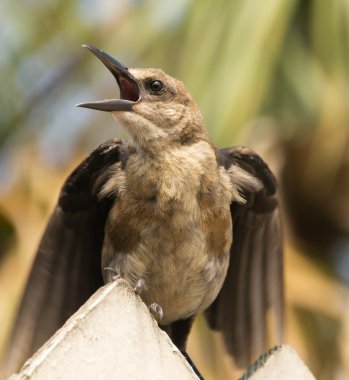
(67, 268)
(254, 282)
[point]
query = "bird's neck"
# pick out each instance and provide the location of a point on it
(151, 137)
(174, 172)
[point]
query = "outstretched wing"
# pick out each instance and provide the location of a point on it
(251, 299)
(67, 267)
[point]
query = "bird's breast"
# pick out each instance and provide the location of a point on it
(181, 274)
(172, 228)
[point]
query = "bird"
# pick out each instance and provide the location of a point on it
(191, 227)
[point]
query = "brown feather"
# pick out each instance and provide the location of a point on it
(66, 270)
(161, 209)
(254, 282)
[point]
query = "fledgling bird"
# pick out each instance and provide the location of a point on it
(192, 227)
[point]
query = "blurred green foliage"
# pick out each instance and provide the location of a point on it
(272, 74)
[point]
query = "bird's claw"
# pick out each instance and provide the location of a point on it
(115, 275)
(156, 311)
(139, 286)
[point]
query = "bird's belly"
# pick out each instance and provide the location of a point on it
(180, 273)
(185, 284)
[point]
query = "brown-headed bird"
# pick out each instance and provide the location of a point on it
(193, 228)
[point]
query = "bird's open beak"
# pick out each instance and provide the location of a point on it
(129, 90)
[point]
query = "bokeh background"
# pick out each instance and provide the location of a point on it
(269, 74)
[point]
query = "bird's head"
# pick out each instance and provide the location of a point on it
(155, 108)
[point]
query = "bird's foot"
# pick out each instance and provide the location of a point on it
(156, 311)
(115, 275)
(139, 286)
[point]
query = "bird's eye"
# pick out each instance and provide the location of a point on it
(156, 86)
